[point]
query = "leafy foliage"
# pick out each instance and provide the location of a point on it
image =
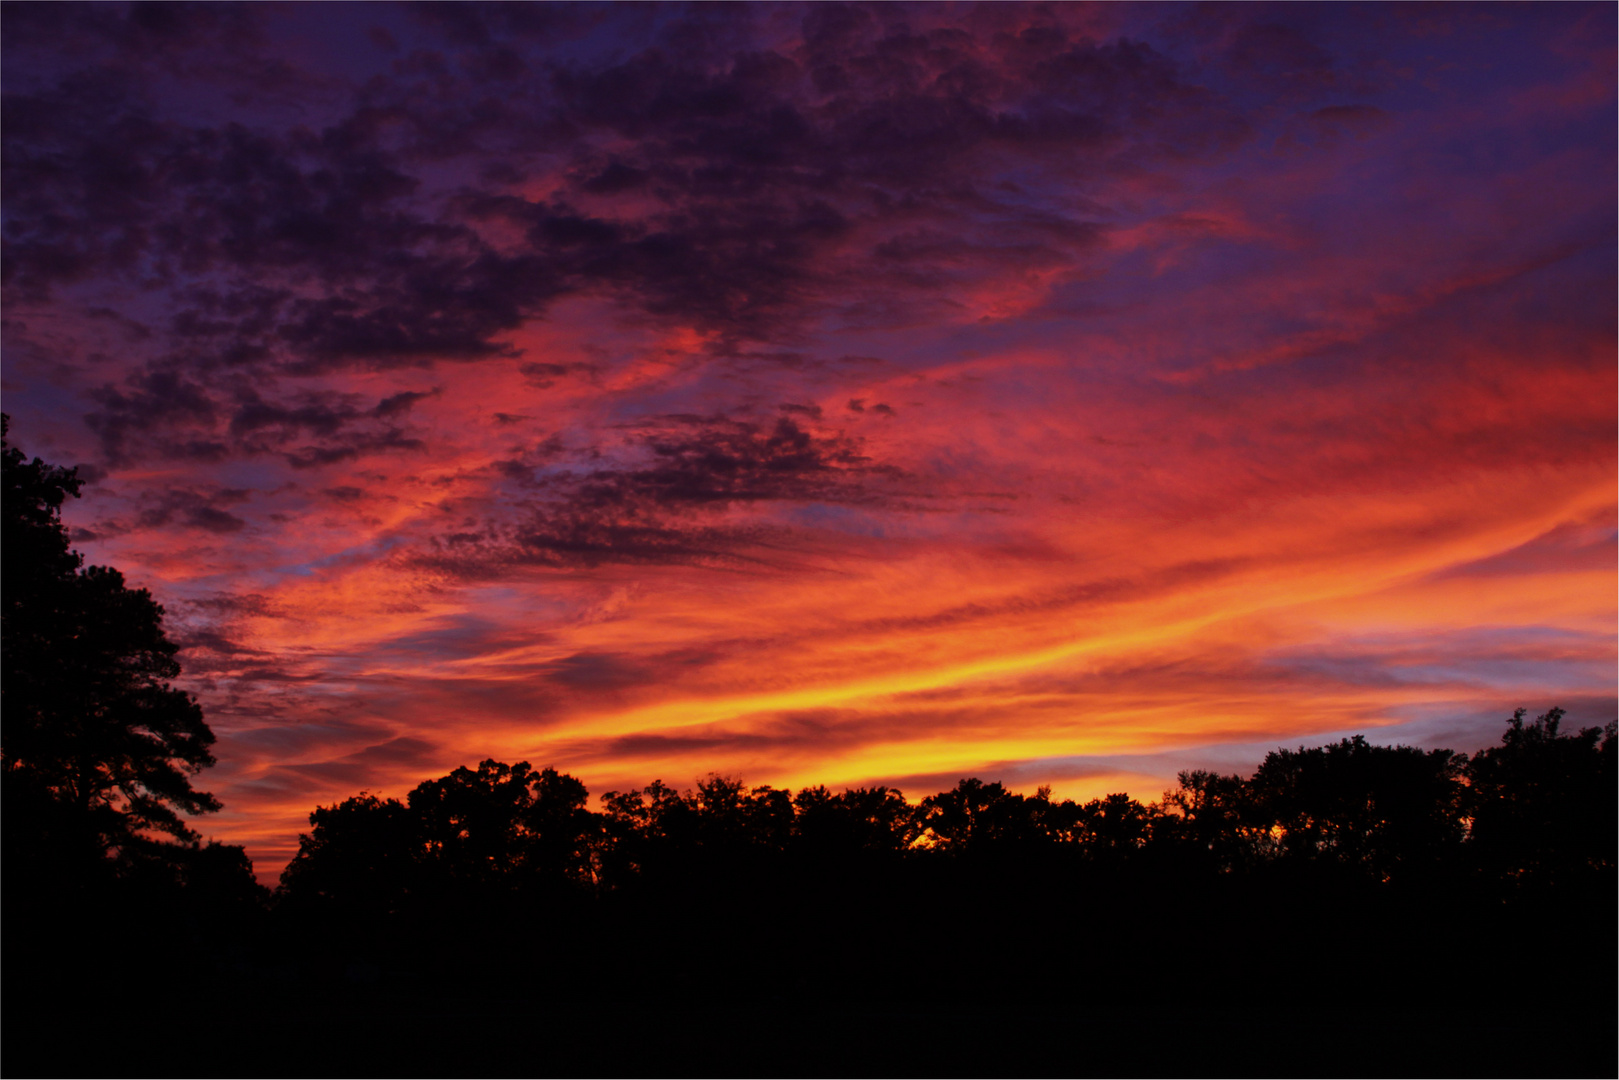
(1531, 808)
(98, 748)
(1383, 808)
(113, 906)
(1542, 801)
(494, 829)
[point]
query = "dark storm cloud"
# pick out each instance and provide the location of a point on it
(302, 249)
(739, 267)
(165, 401)
(352, 446)
(766, 163)
(344, 430)
(665, 507)
(254, 416)
(195, 510)
(702, 461)
(164, 412)
(543, 376)
(212, 641)
(400, 403)
(214, 214)
(523, 468)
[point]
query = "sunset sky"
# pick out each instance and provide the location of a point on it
(827, 394)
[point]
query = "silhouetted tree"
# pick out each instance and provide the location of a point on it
(106, 885)
(1542, 803)
(502, 825)
(1210, 816)
(707, 835)
(766, 899)
(642, 828)
(869, 821)
(497, 829)
(731, 819)
(362, 854)
(1116, 826)
(98, 747)
(561, 835)
(1383, 809)
(208, 886)
(979, 817)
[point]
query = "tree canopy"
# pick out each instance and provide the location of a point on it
(1533, 809)
(1542, 801)
(98, 747)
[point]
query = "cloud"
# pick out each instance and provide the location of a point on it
(370, 767)
(668, 499)
(503, 380)
(167, 414)
(254, 415)
(155, 400)
(600, 670)
(401, 403)
(196, 510)
(543, 376)
(698, 460)
(758, 174)
(351, 447)
(1572, 546)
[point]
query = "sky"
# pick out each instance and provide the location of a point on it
(826, 394)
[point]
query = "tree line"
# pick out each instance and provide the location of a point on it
(1350, 879)
(1532, 812)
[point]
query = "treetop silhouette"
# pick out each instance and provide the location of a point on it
(1542, 801)
(98, 748)
(1375, 813)
(1384, 808)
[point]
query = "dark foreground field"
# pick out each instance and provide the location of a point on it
(518, 1037)
(955, 975)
